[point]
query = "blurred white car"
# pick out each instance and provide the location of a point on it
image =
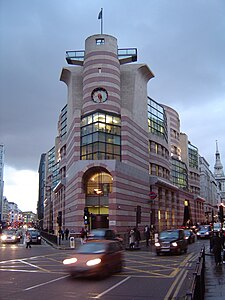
(9, 236)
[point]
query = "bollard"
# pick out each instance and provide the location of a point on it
(156, 237)
(72, 242)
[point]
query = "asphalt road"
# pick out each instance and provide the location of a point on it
(38, 273)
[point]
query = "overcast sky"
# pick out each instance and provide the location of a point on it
(182, 42)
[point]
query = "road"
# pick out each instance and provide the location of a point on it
(38, 273)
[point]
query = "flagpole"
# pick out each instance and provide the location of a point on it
(102, 21)
(100, 16)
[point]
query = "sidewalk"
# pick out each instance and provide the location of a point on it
(214, 279)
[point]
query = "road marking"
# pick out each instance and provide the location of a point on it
(182, 272)
(32, 265)
(44, 283)
(113, 287)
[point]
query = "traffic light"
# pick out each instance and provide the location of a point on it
(220, 213)
(138, 214)
(86, 216)
(59, 218)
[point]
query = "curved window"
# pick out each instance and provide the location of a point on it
(100, 136)
(157, 122)
(180, 174)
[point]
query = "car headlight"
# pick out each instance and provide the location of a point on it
(93, 262)
(207, 233)
(174, 244)
(3, 237)
(186, 237)
(39, 237)
(69, 261)
(157, 244)
(13, 237)
(198, 233)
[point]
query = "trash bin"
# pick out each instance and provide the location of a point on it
(72, 242)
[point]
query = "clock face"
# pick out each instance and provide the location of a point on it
(99, 95)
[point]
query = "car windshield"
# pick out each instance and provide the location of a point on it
(92, 248)
(33, 232)
(97, 233)
(204, 228)
(187, 232)
(168, 235)
(9, 232)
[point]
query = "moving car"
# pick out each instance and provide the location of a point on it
(35, 236)
(204, 231)
(189, 235)
(9, 236)
(95, 258)
(171, 241)
(104, 233)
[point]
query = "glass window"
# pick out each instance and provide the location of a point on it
(101, 131)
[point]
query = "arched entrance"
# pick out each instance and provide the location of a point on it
(97, 187)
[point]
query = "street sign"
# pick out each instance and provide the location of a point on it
(152, 195)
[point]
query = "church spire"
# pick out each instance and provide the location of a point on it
(218, 167)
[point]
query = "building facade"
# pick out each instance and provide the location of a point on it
(118, 152)
(2, 160)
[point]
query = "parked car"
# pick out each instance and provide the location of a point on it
(171, 241)
(35, 236)
(104, 233)
(9, 236)
(95, 258)
(204, 231)
(189, 235)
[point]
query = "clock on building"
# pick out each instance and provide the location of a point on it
(99, 95)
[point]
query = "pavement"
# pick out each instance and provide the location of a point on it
(214, 279)
(214, 275)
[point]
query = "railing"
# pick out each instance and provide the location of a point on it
(197, 288)
(49, 236)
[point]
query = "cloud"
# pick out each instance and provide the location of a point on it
(21, 188)
(182, 42)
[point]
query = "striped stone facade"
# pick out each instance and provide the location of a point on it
(144, 164)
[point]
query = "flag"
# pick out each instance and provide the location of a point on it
(100, 15)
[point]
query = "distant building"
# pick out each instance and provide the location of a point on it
(208, 189)
(219, 175)
(29, 218)
(41, 191)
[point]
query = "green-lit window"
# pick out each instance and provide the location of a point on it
(101, 136)
(157, 122)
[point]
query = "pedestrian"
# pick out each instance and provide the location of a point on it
(217, 248)
(83, 235)
(28, 240)
(147, 235)
(62, 233)
(131, 239)
(137, 237)
(67, 233)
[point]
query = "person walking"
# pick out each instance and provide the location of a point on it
(217, 248)
(67, 233)
(28, 240)
(62, 233)
(137, 237)
(131, 239)
(147, 235)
